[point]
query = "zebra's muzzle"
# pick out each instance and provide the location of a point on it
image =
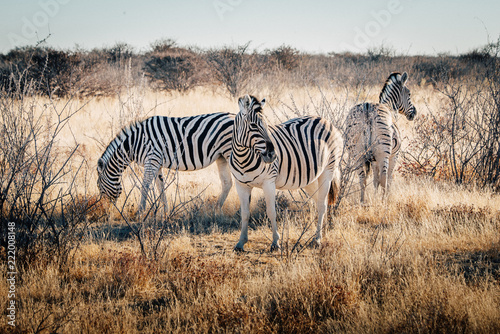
(411, 115)
(268, 155)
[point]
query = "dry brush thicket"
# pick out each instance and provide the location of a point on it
(425, 260)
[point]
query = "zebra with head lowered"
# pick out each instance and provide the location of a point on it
(179, 143)
(372, 139)
(300, 153)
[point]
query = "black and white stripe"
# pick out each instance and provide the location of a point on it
(372, 139)
(300, 153)
(179, 143)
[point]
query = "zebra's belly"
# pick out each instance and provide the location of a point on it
(281, 182)
(291, 182)
(185, 167)
(299, 174)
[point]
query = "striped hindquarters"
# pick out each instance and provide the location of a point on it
(396, 140)
(369, 131)
(305, 147)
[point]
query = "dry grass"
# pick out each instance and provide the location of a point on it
(426, 260)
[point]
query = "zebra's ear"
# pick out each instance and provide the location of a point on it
(404, 78)
(100, 165)
(262, 103)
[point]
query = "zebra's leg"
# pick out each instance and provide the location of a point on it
(312, 190)
(392, 163)
(376, 175)
(324, 184)
(385, 150)
(270, 196)
(362, 183)
(151, 168)
(244, 193)
(225, 179)
(383, 175)
(160, 185)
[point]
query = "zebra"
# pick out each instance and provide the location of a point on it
(300, 153)
(373, 140)
(178, 143)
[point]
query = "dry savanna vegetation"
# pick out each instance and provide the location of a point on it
(425, 259)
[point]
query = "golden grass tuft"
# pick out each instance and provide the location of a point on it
(414, 208)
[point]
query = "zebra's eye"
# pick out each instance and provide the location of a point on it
(253, 126)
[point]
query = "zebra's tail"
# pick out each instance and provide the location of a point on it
(333, 194)
(368, 166)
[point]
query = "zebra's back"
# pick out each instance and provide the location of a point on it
(184, 143)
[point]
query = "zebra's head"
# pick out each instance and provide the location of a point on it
(251, 128)
(397, 95)
(108, 185)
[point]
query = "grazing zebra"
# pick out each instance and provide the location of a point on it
(300, 153)
(372, 139)
(179, 143)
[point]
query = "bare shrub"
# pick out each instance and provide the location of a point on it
(381, 52)
(462, 143)
(232, 67)
(284, 57)
(67, 73)
(108, 71)
(436, 69)
(426, 154)
(55, 71)
(173, 68)
(119, 53)
(153, 227)
(37, 180)
(100, 79)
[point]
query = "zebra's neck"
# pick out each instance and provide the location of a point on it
(242, 157)
(117, 157)
(122, 158)
(390, 96)
(242, 151)
(388, 101)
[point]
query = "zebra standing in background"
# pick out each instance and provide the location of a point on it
(372, 139)
(300, 153)
(179, 143)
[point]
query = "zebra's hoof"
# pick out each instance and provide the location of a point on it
(314, 244)
(238, 249)
(274, 247)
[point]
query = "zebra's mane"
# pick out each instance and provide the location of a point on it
(118, 140)
(393, 79)
(255, 104)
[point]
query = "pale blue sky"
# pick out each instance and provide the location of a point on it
(409, 26)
